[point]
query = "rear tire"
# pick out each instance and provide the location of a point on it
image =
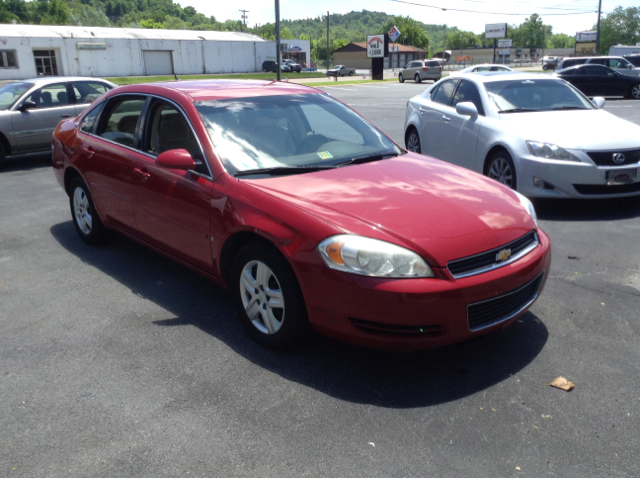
(400, 78)
(83, 212)
(350, 74)
(412, 141)
(3, 154)
(634, 92)
(501, 168)
(417, 78)
(268, 298)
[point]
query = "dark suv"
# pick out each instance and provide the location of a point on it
(295, 67)
(269, 66)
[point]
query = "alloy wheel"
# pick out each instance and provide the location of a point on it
(500, 170)
(82, 210)
(262, 297)
(635, 92)
(413, 143)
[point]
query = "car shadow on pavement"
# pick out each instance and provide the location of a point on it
(587, 209)
(26, 162)
(347, 372)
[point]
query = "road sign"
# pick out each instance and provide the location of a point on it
(394, 33)
(495, 30)
(375, 46)
(505, 43)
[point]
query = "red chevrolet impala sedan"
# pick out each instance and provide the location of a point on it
(312, 217)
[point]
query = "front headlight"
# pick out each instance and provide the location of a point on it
(524, 201)
(550, 152)
(372, 257)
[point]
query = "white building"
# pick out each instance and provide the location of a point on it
(27, 51)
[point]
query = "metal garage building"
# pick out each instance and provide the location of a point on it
(28, 51)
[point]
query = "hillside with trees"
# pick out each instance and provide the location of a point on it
(620, 26)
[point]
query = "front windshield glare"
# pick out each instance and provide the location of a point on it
(289, 131)
(9, 94)
(534, 95)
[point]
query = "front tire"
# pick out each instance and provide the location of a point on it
(417, 78)
(268, 298)
(501, 168)
(400, 78)
(413, 141)
(83, 211)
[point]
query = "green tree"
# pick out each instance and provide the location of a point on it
(174, 23)
(561, 40)
(620, 26)
(88, 16)
(411, 33)
(149, 23)
(460, 39)
(531, 33)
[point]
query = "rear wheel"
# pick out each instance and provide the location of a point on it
(500, 168)
(417, 78)
(268, 298)
(3, 154)
(400, 78)
(545, 67)
(413, 141)
(83, 211)
(350, 74)
(635, 92)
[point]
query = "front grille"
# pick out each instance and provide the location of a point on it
(493, 311)
(605, 158)
(395, 329)
(486, 261)
(607, 189)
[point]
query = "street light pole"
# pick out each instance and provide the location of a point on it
(598, 31)
(328, 58)
(278, 39)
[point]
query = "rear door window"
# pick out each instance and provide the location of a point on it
(121, 120)
(87, 91)
(445, 92)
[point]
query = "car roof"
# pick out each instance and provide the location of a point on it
(201, 90)
(56, 79)
(488, 77)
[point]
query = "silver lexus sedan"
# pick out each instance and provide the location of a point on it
(31, 109)
(534, 133)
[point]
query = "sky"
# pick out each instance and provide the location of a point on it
(484, 11)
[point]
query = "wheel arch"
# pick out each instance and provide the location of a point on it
(69, 175)
(5, 142)
(492, 151)
(410, 128)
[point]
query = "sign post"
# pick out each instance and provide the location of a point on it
(394, 33)
(495, 31)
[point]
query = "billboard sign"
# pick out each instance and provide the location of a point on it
(505, 43)
(375, 46)
(586, 36)
(394, 33)
(495, 30)
(504, 52)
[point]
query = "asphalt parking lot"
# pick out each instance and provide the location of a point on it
(115, 361)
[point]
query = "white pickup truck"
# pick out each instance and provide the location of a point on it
(340, 70)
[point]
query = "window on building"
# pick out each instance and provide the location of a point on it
(45, 62)
(8, 59)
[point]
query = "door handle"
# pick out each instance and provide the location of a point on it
(65, 116)
(446, 118)
(143, 175)
(422, 110)
(88, 151)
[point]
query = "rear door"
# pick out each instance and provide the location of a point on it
(604, 82)
(33, 129)
(108, 155)
(172, 207)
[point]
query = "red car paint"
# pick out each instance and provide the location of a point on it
(440, 211)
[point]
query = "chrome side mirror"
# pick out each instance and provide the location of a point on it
(598, 102)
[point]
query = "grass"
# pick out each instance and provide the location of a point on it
(244, 76)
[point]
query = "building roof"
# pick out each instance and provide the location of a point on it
(64, 31)
(362, 46)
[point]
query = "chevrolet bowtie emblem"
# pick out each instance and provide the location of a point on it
(503, 255)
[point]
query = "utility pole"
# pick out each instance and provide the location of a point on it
(278, 39)
(598, 31)
(444, 43)
(244, 17)
(328, 58)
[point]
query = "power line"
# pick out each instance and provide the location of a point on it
(487, 13)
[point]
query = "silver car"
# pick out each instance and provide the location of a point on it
(419, 70)
(31, 109)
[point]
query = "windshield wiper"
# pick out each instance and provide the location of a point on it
(367, 159)
(283, 170)
(568, 108)
(517, 110)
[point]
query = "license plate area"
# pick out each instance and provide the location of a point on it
(621, 177)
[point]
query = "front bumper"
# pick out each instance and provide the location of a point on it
(408, 314)
(567, 179)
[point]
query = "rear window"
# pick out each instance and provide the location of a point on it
(433, 64)
(635, 60)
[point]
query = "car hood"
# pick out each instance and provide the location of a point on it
(439, 210)
(577, 129)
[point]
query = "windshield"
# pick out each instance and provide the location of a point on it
(534, 95)
(9, 94)
(290, 131)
